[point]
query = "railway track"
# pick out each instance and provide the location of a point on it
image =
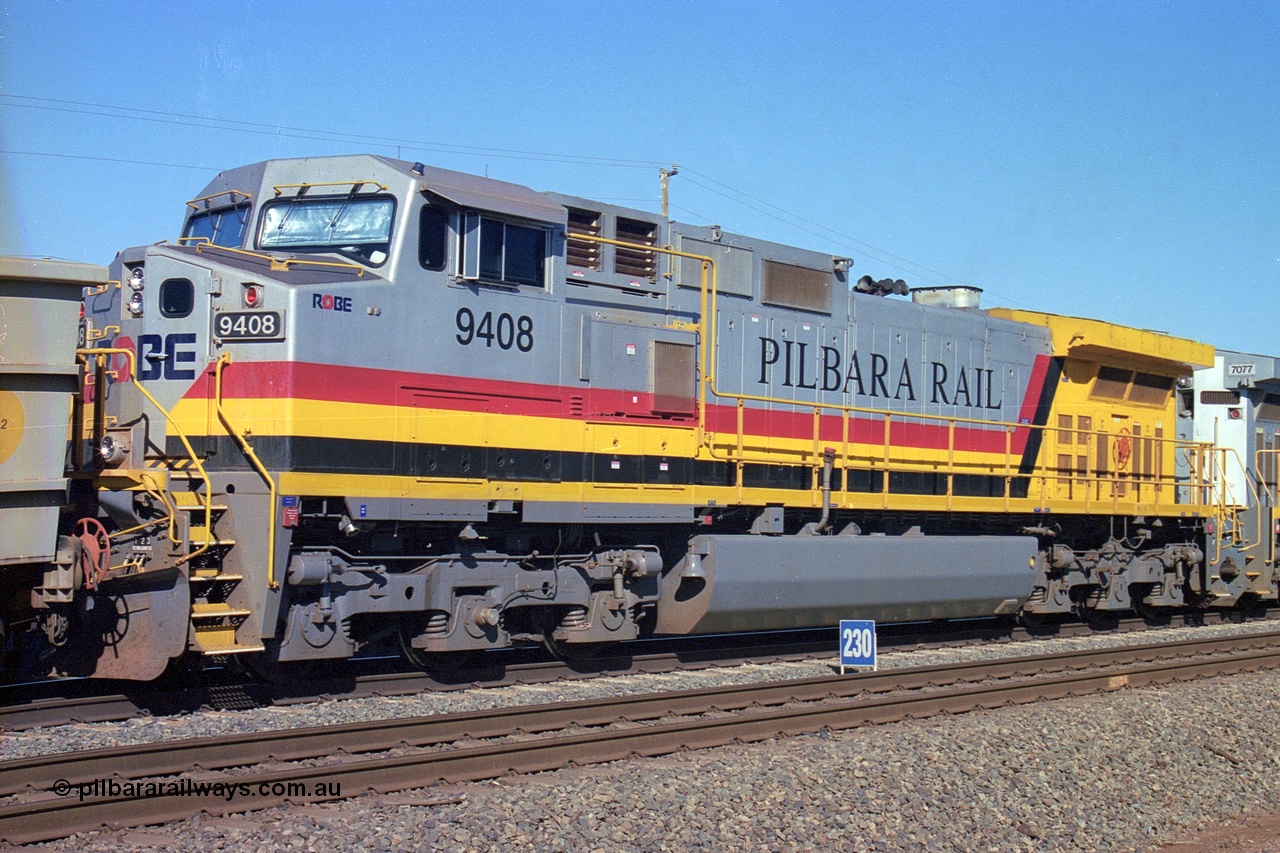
(64, 702)
(137, 785)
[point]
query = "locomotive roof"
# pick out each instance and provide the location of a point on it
(483, 193)
(1079, 336)
(1261, 369)
(468, 191)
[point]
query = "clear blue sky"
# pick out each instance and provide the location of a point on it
(1111, 160)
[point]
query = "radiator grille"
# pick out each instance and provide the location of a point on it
(583, 253)
(1151, 389)
(674, 378)
(1270, 408)
(641, 263)
(1112, 382)
(734, 272)
(795, 287)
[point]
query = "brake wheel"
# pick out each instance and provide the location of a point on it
(95, 556)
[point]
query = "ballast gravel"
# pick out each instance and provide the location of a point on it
(1124, 771)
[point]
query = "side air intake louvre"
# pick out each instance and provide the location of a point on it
(641, 263)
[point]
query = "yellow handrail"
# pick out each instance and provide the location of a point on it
(707, 326)
(278, 264)
(355, 186)
(701, 327)
(99, 355)
(1267, 521)
(223, 360)
(149, 484)
(194, 203)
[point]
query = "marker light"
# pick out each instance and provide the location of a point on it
(252, 295)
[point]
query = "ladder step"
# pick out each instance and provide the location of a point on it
(215, 624)
(193, 501)
(222, 642)
(235, 650)
(212, 576)
(200, 535)
(208, 610)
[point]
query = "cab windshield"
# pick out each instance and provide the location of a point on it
(222, 227)
(359, 228)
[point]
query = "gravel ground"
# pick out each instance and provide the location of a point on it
(1125, 771)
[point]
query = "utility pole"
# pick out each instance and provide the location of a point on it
(664, 176)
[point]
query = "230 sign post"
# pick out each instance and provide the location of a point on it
(857, 643)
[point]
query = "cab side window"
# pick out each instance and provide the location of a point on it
(499, 252)
(433, 233)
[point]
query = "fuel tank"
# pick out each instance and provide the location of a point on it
(759, 583)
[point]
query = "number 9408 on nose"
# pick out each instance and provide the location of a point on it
(248, 326)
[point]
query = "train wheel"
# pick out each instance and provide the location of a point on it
(1247, 607)
(439, 665)
(184, 672)
(577, 652)
(262, 667)
(573, 617)
(1099, 620)
(1038, 623)
(1151, 614)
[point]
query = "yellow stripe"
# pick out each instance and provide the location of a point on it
(292, 483)
(356, 421)
(318, 419)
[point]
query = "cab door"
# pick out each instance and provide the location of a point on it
(171, 337)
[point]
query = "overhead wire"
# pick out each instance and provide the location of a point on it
(824, 232)
(706, 182)
(108, 160)
(819, 230)
(263, 129)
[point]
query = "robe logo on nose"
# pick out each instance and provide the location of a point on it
(329, 302)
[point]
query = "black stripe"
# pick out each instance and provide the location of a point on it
(352, 456)
(1044, 406)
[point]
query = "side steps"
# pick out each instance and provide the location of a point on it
(214, 621)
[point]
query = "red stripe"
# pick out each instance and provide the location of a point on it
(1035, 387)
(322, 382)
(1030, 402)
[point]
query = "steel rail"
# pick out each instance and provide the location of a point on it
(56, 816)
(368, 678)
(51, 815)
(18, 713)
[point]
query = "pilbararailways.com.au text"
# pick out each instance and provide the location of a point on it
(192, 788)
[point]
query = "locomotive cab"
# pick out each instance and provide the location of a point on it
(1236, 406)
